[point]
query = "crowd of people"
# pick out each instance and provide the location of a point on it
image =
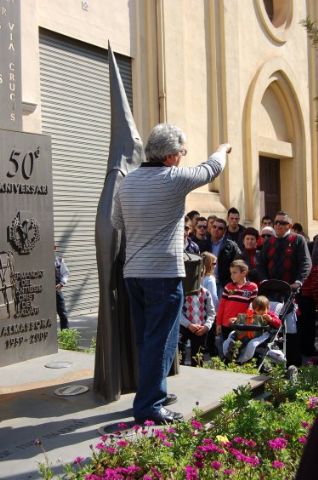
(237, 259)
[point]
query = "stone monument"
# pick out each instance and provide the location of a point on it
(27, 283)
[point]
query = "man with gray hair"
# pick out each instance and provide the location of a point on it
(149, 207)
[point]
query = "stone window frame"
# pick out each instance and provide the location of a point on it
(283, 18)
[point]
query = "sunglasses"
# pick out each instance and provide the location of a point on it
(266, 235)
(281, 222)
(201, 226)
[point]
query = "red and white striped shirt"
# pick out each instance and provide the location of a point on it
(235, 299)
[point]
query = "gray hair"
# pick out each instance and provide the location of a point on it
(165, 139)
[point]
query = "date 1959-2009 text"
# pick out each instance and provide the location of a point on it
(18, 341)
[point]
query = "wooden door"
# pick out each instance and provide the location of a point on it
(269, 184)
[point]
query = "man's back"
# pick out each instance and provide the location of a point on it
(150, 204)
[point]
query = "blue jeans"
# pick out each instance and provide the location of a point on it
(155, 305)
(61, 309)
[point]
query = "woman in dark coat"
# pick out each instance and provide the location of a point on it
(250, 254)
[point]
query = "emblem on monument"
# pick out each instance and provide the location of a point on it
(7, 286)
(24, 233)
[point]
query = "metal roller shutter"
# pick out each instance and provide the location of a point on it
(76, 113)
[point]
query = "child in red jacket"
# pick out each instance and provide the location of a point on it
(237, 296)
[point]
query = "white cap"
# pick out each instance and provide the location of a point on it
(268, 231)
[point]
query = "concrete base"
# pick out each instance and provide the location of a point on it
(67, 426)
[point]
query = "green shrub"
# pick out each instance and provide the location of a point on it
(215, 363)
(68, 339)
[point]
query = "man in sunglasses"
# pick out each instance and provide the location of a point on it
(286, 257)
(200, 234)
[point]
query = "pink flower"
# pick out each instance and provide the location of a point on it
(146, 477)
(250, 443)
(312, 402)
(228, 471)
(149, 423)
(197, 454)
(167, 444)
(241, 457)
(196, 424)
(132, 469)
(104, 438)
(191, 473)
(171, 430)
(216, 465)
(245, 441)
(278, 443)
(122, 425)
(302, 440)
(305, 424)
(254, 461)
(110, 450)
(100, 446)
(211, 447)
(78, 460)
(122, 443)
(160, 434)
(277, 464)
(155, 473)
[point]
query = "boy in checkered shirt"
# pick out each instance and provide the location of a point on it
(198, 314)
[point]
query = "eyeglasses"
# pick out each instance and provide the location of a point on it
(218, 228)
(201, 226)
(266, 235)
(281, 222)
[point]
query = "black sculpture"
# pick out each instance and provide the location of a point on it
(116, 357)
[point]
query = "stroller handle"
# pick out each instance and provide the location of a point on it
(251, 328)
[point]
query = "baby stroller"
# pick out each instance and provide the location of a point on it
(270, 343)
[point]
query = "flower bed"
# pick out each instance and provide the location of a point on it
(248, 439)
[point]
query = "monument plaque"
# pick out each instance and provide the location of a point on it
(10, 65)
(27, 283)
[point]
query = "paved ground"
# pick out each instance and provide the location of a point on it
(67, 426)
(87, 326)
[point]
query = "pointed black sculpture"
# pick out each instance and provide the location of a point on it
(116, 357)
